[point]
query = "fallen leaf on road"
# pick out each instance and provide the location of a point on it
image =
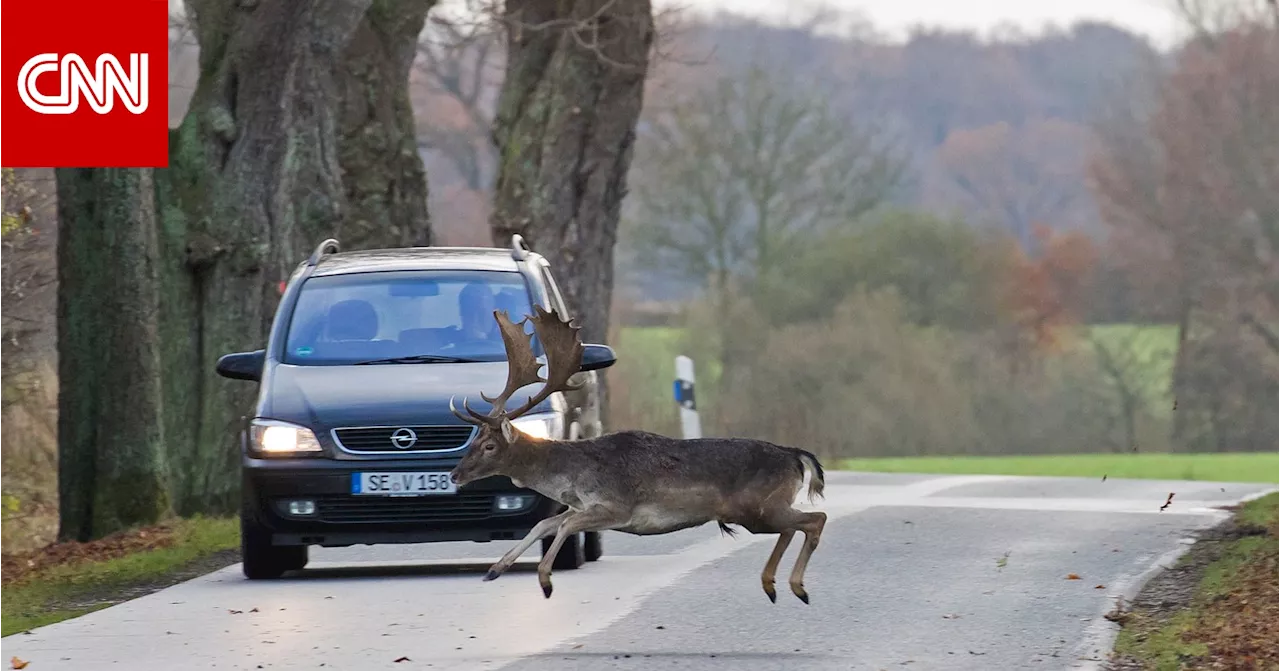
(234, 612)
(18, 663)
(1104, 478)
(578, 646)
(951, 616)
(253, 610)
(1003, 561)
(1072, 576)
(402, 659)
(1099, 586)
(1167, 502)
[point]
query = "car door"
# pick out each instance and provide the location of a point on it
(584, 409)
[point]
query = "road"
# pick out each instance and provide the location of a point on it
(914, 572)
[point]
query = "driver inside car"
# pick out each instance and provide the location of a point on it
(475, 312)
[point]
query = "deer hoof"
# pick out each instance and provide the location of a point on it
(800, 593)
(546, 590)
(492, 575)
(771, 592)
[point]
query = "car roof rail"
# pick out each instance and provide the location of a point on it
(519, 251)
(329, 246)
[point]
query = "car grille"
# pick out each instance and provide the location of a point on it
(380, 438)
(409, 509)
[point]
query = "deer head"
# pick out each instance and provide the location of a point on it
(495, 446)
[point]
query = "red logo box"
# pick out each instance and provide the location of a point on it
(85, 83)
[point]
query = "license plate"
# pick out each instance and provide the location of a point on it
(402, 484)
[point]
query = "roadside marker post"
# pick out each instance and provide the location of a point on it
(690, 425)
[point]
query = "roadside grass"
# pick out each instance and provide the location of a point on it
(71, 579)
(1228, 618)
(1223, 467)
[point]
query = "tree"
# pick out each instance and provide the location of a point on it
(1048, 290)
(945, 273)
(743, 174)
(1193, 175)
(461, 59)
(299, 129)
(1017, 176)
(25, 271)
(565, 129)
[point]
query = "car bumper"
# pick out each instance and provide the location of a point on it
(341, 518)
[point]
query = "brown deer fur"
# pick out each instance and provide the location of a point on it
(633, 481)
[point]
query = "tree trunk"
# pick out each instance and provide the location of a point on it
(565, 129)
(111, 473)
(299, 129)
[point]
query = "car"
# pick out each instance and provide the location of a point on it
(352, 440)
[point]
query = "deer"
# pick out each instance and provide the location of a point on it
(633, 482)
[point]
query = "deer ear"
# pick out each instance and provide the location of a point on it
(508, 431)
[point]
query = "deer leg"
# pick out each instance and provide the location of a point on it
(811, 524)
(544, 528)
(592, 519)
(771, 566)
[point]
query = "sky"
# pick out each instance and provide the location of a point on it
(1151, 18)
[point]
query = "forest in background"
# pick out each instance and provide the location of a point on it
(1062, 242)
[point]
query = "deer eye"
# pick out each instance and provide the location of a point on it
(489, 447)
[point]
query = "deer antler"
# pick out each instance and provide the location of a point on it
(522, 370)
(564, 357)
(522, 366)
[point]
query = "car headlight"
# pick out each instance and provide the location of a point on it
(546, 425)
(271, 437)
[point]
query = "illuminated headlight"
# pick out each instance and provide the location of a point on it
(271, 437)
(547, 425)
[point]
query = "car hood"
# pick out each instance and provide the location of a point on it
(327, 397)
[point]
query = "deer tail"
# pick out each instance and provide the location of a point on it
(817, 478)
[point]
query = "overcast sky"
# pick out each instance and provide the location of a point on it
(1152, 18)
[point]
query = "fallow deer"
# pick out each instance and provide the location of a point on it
(633, 481)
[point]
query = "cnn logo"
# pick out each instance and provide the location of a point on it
(99, 87)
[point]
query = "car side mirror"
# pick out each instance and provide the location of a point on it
(242, 365)
(595, 357)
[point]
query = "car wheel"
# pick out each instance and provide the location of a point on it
(572, 554)
(593, 545)
(260, 560)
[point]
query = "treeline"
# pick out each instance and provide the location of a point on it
(835, 317)
(913, 335)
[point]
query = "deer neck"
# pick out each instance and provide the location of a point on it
(530, 466)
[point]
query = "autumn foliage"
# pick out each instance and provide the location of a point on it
(1048, 288)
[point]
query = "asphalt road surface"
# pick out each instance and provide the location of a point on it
(914, 572)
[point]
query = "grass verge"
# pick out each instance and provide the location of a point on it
(1227, 467)
(67, 580)
(1216, 609)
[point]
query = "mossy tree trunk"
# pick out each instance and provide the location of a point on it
(110, 451)
(565, 130)
(300, 128)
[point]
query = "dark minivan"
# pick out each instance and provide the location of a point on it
(352, 440)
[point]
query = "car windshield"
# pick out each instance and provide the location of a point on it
(387, 317)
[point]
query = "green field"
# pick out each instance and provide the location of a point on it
(1144, 355)
(1230, 467)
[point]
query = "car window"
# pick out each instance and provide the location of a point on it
(344, 319)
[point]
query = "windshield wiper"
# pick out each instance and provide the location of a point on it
(417, 358)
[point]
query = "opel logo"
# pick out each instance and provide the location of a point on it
(404, 438)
